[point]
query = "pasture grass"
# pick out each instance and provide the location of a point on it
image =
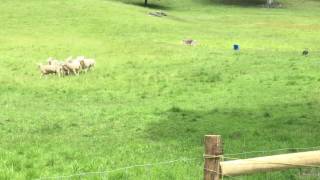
(151, 99)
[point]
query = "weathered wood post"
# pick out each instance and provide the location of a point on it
(270, 163)
(212, 156)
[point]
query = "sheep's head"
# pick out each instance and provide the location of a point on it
(82, 63)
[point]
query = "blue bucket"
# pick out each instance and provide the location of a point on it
(236, 47)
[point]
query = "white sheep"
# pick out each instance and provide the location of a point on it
(73, 66)
(52, 61)
(46, 69)
(65, 68)
(87, 64)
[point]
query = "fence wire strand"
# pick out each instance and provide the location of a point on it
(150, 165)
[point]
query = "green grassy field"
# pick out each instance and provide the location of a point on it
(151, 99)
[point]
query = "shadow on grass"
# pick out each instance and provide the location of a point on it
(151, 6)
(278, 123)
(244, 3)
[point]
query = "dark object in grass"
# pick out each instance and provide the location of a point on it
(267, 115)
(236, 47)
(189, 42)
(305, 52)
(158, 14)
(175, 109)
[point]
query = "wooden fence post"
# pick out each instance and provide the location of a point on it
(212, 156)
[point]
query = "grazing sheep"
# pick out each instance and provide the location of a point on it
(55, 62)
(73, 66)
(87, 64)
(46, 69)
(190, 42)
(65, 69)
(69, 66)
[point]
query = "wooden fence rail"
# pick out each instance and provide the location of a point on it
(214, 168)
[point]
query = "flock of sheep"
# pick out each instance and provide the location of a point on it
(67, 67)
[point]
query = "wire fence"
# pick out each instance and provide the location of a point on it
(149, 165)
(126, 169)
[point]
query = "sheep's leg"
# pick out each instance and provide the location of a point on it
(74, 71)
(78, 72)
